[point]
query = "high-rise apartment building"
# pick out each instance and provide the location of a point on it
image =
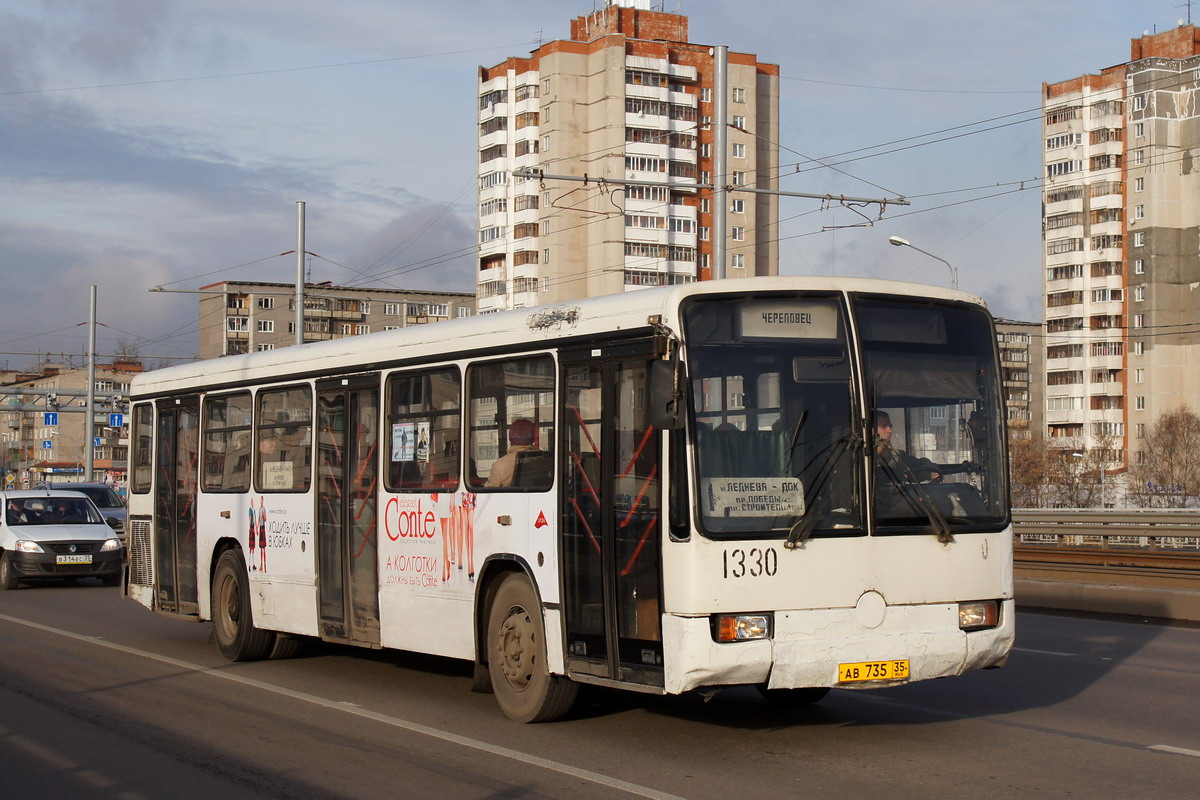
(1122, 233)
(627, 97)
(1021, 364)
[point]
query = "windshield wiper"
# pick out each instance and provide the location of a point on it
(916, 496)
(803, 528)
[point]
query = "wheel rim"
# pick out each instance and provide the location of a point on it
(230, 605)
(516, 648)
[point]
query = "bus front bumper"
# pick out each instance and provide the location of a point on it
(807, 648)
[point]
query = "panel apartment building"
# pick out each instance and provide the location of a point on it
(1122, 247)
(626, 97)
(247, 316)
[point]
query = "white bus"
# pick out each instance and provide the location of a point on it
(790, 483)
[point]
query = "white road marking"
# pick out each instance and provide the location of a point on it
(1042, 652)
(395, 722)
(1179, 751)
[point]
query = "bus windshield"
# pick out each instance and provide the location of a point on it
(772, 405)
(779, 442)
(937, 450)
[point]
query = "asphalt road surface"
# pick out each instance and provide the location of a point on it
(100, 698)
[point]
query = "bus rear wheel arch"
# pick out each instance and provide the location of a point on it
(516, 656)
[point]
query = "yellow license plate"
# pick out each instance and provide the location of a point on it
(873, 671)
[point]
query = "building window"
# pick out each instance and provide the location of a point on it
(1139, 184)
(392, 309)
(739, 178)
(237, 324)
(266, 326)
(737, 206)
(1139, 130)
(1139, 102)
(704, 233)
(1139, 430)
(705, 205)
(1139, 320)
(546, 255)
(1139, 403)
(1139, 294)
(738, 233)
(1139, 239)
(263, 347)
(266, 303)
(738, 261)
(1139, 266)
(1139, 376)
(1139, 212)
(1139, 348)
(361, 328)
(462, 311)
(739, 151)
(739, 95)
(705, 94)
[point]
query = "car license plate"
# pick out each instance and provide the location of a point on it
(73, 559)
(873, 671)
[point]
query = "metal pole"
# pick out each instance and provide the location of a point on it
(89, 421)
(299, 272)
(720, 202)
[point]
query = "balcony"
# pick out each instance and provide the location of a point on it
(494, 110)
(652, 149)
(492, 139)
(649, 92)
(491, 275)
(489, 304)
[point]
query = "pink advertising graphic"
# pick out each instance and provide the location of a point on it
(417, 522)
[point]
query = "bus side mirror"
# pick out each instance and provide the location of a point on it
(666, 395)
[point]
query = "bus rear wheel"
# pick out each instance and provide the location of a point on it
(516, 654)
(233, 623)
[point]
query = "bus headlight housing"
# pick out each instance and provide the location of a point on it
(978, 615)
(741, 627)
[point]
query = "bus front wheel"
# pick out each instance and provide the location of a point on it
(516, 642)
(233, 622)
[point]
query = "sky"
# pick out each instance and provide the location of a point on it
(165, 143)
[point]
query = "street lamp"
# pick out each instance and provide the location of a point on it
(901, 242)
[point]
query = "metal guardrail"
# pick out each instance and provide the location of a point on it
(1148, 538)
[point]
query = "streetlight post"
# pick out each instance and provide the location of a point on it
(902, 242)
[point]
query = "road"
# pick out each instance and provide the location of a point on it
(99, 698)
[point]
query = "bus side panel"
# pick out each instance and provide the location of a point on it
(281, 561)
(430, 546)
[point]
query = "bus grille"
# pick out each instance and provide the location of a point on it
(140, 565)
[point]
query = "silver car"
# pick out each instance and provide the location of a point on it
(49, 533)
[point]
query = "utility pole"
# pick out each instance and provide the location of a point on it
(720, 199)
(299, 272)
(89, 420)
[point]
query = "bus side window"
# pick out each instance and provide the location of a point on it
(284, 440)
(424, 418)
(511, 424)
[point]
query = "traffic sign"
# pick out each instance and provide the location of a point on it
(96, 442)
(116, 420)
(50, 418)
(47, 444)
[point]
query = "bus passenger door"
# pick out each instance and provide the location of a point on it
(611, 519)
(346, 498)
(177, 471)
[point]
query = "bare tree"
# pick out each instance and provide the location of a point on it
(1030, 464)
(1167, 471)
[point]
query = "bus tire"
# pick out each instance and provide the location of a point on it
(233, 621)
(8, 575)
(793, 698)
(516, 642)
(286, 645)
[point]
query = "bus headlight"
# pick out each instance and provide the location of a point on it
(979, 614)
(742, 627)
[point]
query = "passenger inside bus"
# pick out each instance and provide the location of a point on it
(512, 468)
